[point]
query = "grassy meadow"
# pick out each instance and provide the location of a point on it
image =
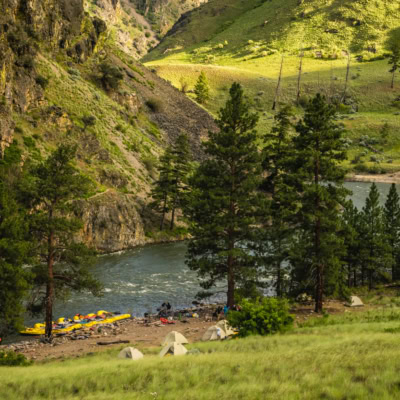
(351, 356)
(377, 121)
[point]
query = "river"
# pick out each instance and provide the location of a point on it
(140, 280)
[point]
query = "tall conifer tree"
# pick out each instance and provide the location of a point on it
(224, 204)
(162, 188)
(63, 262)
(15, 246)
(280, 187)
(319, 152)
(376, 255)
(392, 227)
(180, 173)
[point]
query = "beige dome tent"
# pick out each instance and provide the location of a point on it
(130, 353)
(223, 324)
(174, 337)
(213, 333)
(174, 349)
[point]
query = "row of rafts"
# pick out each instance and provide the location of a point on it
(65, 325)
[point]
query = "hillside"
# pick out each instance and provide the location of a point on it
(51, 81)
(353, 356)
(245, 41)
(330, 27)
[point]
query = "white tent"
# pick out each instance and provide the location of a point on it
(174, 337)
(213, 333)
(355, 302)
(223, 324)
(130, 353)
(174, 349)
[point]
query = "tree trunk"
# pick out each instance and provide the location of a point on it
(320, 268)
(279, 280)
(231, 282)
(370, 279)
(355, 277)
(299, 79)
(393, 75)
(163, 213)
(278, 86)
(49, 287)
(172, 219)
(347, 78)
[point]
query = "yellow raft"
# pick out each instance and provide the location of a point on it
(39, 329)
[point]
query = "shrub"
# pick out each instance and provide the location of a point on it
(111, 76)
(155, 104)
(10, 358)
(262, 317)
(88, 120)
(42, 81)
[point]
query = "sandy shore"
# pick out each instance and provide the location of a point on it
(383, 178)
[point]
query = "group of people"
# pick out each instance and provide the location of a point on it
(221, 312)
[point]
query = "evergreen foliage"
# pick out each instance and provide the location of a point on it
(224, 204)
(264, 316)
(280, 187)
(392, 228)
(375, 253)
(202, 89)
(51, 189)
(318, 151)
(180, 173)
(111, 76)
(15, 246)
(169, 190)
(161, 191)
(394, 60)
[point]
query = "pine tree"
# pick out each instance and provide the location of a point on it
(180, 173)
(162, 189)
(394, 61)
(392, 228)
(202, 89)
(224, 205)
(319, 151)
(375, 253)
(51, 188)
(15, 248)
(279, 229)
(351, 234)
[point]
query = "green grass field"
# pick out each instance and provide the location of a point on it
(352, 356)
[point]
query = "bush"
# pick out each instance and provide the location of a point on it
(111, 76)
(42, 81)
(10, 358)
(264, 316)
(155, 105)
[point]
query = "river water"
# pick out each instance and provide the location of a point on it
(140, 280)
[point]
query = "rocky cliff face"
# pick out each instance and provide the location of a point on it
(51, 52)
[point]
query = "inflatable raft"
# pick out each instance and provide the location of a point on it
(65, 325)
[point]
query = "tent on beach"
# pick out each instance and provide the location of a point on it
(174, 337)
(174, 349)
(213, 333)
(130, 353)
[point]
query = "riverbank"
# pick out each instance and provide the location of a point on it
(143, 333)
(380, 178)
(353, 355)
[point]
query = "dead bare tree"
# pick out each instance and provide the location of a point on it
(278, 87)
(299, 78)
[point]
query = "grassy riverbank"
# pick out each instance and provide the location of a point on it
(351, 356)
